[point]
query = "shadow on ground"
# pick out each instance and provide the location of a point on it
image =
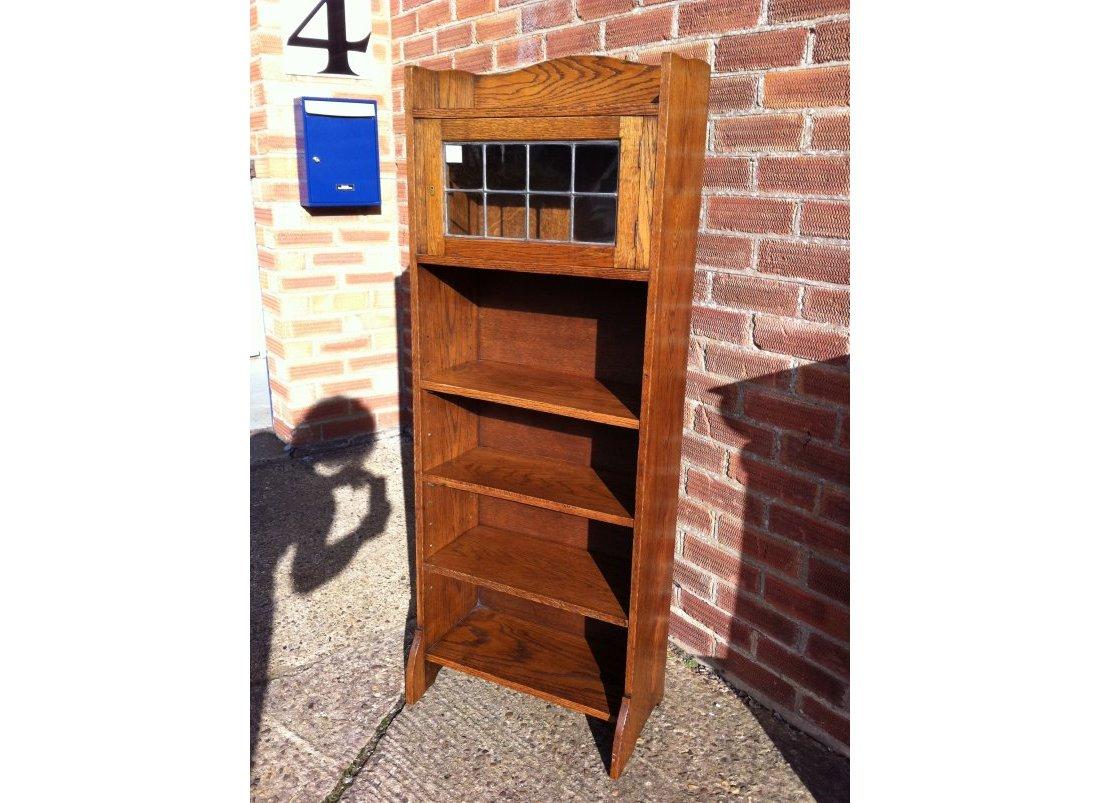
(295, 523)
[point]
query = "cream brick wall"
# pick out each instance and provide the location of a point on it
(327, 281)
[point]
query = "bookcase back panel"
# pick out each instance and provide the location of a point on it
(559, 528)
(556, 438)
(588, 327)
(610, 639)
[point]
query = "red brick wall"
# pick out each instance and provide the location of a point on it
(762, 554)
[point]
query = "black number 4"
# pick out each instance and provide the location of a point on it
(337, 43)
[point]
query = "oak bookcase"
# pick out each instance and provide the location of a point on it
(553, 214)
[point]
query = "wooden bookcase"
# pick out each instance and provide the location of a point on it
(553, 214)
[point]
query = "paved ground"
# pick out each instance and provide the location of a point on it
(330, 598)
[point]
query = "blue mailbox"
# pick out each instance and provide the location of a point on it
(337, 152)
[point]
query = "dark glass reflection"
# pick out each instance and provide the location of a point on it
(551, 166)
(597, 168)
(505, 167)
(465, 175)
(594, 219)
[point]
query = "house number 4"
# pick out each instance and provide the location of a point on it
(337, 43)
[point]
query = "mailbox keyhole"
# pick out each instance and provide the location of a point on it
(317, 159)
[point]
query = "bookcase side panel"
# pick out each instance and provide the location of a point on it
(681, 140)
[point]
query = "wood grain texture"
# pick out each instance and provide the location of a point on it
(637, 166)
(547, 256)
(438, 604)
(550, 664)
(540, 570)
(448, 513)
(577, 326)
(455, 90)
(420, 87)
(628, 727)
(609, 109)
(538, 389)
(419, 674)
(585, 85)
(451, 339)
(552, 484)
(529, 128)
(524, 266)
(681, 136)
(647, 172)
(427, 169)
(630, 187)
(607, 449)
(449, 428)
(575, 532)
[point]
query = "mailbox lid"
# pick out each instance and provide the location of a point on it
(338, 152)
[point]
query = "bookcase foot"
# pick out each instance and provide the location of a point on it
(419, 674)
(628, 727)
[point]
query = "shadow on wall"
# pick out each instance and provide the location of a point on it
(782, 606)
(281, 525)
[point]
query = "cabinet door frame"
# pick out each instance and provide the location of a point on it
(637, 140)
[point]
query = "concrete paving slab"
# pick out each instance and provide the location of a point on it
(467, 739)
(330, 600)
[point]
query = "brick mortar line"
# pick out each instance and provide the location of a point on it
(709, 38)
(759, 600)
(790, 239)
(710, 303)
(799, 472)
(811, 400)
(757, 563)
(800, 547)
(755, 657)
(736, 114)
(726, 479)
(772, 195)
(752, 656)
(792, 719)
(800, 689)
(774, 463)
(578, 21)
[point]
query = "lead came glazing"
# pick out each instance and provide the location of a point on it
(550, 191)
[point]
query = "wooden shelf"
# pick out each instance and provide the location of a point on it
(539, 389)
(550, 484)
(527, 266)
(559, 667)
(543, 571)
